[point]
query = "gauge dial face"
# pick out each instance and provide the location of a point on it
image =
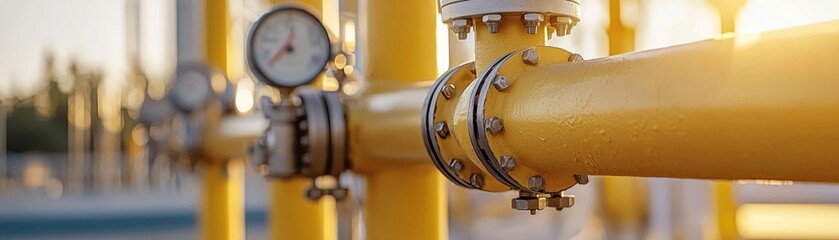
(191, 90)
(289, 47)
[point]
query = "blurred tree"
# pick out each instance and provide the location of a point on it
(38, 123)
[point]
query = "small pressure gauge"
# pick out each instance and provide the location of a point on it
(288, 47)
(192, 88)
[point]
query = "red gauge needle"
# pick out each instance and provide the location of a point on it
(282, 50)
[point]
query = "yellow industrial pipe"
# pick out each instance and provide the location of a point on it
(405, 195)
(511, 36)
(759, 106)
(291, 215)
(222, 214)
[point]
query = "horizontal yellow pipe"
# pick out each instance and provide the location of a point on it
(385, 123)
(752, 107)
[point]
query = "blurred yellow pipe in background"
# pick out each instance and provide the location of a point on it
(405, 195)
(222, 208)
(291, 215)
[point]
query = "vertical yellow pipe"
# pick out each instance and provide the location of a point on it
(291, 215)
(402, 40)
(726, 205)
(403, 201)
(406, 203)
(511, 36)
(222, 201)
(222, 215)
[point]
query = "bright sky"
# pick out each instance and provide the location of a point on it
(90, 30)
(93, 32)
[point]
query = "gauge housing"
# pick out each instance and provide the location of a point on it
(313, 70)
(192, 87)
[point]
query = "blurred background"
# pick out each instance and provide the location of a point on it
(74, 161)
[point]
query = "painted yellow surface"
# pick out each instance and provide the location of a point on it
(292, 216)
(222, 216)
(749, 107)
(405, 194)
(511, 36)
(726, 210)
(406, 203)
(222, 209)
(401, 40)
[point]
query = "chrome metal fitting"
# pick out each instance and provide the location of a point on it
(442, 129)
(563, 25)
(461, 27)
(493, 125)
(536, 183)
(530, 56)
(492, 21)
(532, 21)
(501, 82)
(508, 163)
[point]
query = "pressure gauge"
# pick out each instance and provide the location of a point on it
(192, 88)
(288, 47)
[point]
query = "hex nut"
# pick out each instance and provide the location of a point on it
(448, 91)
(536, 183)
(493, 125)
(456, 165)
(508, 163)
(581, 179)
(561, 202)
(492, 21)
(477, 180)
(532, 21)
(442, 129)
(575, 58)
(563, 26)
(461, 27)
(501, 82)
(528, 204)
(530, 56)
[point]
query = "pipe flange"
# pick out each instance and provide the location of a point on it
(314, 143)
(434, 131)
(457, 9)
(338, 134)
(487, 129)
